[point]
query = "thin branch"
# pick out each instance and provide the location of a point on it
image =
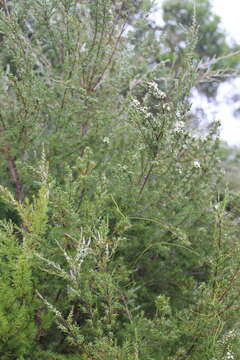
(146, 179)
(110, 58)
(12, 168)
(11, 164)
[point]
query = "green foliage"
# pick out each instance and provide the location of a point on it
(17, 325)
(119, 242)
(212, 45)
(176, 12)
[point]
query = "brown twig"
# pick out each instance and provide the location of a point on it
(11, 164)
(110, 59)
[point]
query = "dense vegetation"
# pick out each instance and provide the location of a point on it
(118, 239)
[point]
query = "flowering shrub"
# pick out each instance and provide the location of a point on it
(117, 244)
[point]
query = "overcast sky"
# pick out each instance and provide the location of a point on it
(229, 11)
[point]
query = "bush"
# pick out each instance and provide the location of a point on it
(120, 245)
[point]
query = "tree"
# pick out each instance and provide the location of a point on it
(212, 43)
(121, 240)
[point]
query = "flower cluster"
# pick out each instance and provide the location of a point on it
(225, 344)
(156, 91)
(197, 164)
(179, 126)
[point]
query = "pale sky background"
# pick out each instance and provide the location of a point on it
(229, 11)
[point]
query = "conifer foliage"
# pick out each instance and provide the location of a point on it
(115, 242)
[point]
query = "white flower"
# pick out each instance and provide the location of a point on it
(229, 355)
(162, 94)
(216, 206)
(153, 85)
(159, 93)
(106, 140)
(145, 113)
(197, 164)
(135, 102)
(83, 47)
(166, 107)
(179, 125)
